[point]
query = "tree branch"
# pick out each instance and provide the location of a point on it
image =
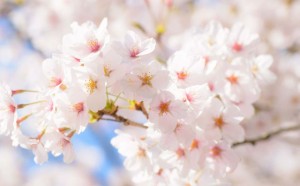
(125, 121)
(141, 107)
(121, 119)
(266, 136)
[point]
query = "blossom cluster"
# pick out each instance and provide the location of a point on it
(191, 105)
(214, 80)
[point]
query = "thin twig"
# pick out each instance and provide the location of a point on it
(125, 121)
(141, 107)
(121, 119)
(266, 136)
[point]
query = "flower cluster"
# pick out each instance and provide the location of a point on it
(214, 80)
(191, 105)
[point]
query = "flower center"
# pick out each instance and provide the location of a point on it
(233, 79)
(94, 45)
(134, 52)
(180, 152)
(146, 79)
(107, 71)
(55, 82)
(237, 47)
(164, 107)
(182, 75)
(91, 85)
(194, 145)
(78, 107)
(141, 152)
(219, 122)
(216, 151)
(12, 108)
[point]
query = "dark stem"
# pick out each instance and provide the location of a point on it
(266, 136)
(121, 119)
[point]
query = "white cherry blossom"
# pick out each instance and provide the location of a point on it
(165, 108)
(185, 70)
(8, 110)
(134, 48)
(145, 81)
(181, 104)
(221, 121)
(72, 110)
(58, 144)
(86, 40)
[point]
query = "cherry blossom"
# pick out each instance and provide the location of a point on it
(165, 108)
(72, 111)
(7, 110)
(185, 70)
(86, 39)
(59, 144)
(182, 105)
(134, 149)
(145, 81)
(133, 47)
(219, 119)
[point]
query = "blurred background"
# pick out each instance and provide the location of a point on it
(31, 30)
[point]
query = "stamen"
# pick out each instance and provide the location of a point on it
(78, 107)
(233, 79)
(216, 151)
(107, 71)
(219, 122)
(164, 107)
(182, 75)
(94, 45)
(91, 85)
(180, 152)
(237, 47)
(146, 79)
(134, 52)
(194, 144)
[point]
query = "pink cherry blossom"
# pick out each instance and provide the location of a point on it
(133, 47)
(7, 110)
(86, 40)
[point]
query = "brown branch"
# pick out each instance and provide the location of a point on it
(266, 136)
(141, 107)
(121, 119)
(125, 121)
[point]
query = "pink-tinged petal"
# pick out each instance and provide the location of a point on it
(230, 160)
(119, 47)
(131, 40)
(147, 46)
(103, 25)
(68, 153)
(97, 100)
(41, 155)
